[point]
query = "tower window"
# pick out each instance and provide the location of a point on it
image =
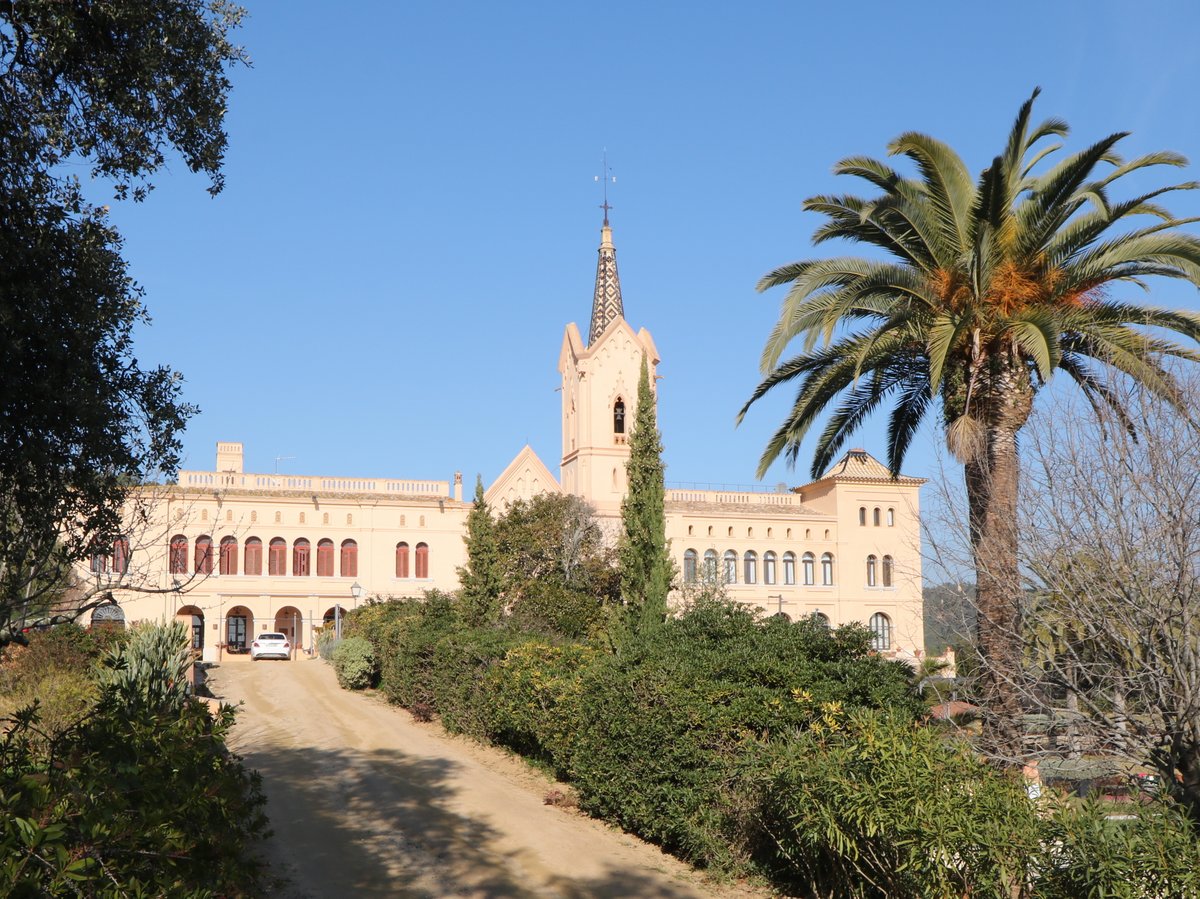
(619, 416)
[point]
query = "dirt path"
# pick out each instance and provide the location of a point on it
(366, 802)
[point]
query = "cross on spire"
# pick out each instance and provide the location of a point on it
(606, 301)
(605, 177)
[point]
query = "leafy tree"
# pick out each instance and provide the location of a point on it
(644, 562)
(117, 85)
(991, 287)
(480, 577)
(553, 557)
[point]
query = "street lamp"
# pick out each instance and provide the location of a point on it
(356, 591)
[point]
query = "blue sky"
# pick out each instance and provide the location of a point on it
(410, 216)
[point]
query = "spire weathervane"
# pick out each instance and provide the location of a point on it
(605, 178)
(606, 302)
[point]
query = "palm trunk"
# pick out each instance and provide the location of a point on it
(992, 489)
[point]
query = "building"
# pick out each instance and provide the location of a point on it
(238, 553)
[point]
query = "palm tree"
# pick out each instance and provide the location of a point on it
(988, 288)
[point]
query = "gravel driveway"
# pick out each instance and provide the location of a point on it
(364, 801)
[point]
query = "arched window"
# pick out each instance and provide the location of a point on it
(875, 517)
(277, 556)
(730, 567)
(204, 555)
(827, 569)
(881, 632)
(325, 558)
(789, 568)
(820, 618)
(301, 558)
(888, 570)
(750, 567)
(229, 553)
(401, 559)
(121, 555)
(108, 617)
(422, 560)
(871, 561)
(689, 566)
(862, 515)
(349, 561)
(99, 563)
(710, 565)
(809, 563)
(619, 416)
(891, 518)
(179, 554)
(253, 556)
(768, 568)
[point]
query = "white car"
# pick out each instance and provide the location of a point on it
(270, 645)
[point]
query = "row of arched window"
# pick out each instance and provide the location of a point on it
(726, 567)
(876, 516)
(302, 557)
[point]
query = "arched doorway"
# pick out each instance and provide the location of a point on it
(289, 622)
(193, 617)
(333, 619)
(239, 629)
(108, 618)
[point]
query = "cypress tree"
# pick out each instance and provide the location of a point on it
(645, 564)
(480, 579)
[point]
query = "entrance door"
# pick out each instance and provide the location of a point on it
(235, 632)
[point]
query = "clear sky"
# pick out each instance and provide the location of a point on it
(410, 216)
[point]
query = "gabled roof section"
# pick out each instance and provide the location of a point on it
(860, 466)
(525, 477)
(573, 349)
(606, 299)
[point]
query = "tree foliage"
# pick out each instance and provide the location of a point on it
(479, 580)
(118, 86)
(557, 570)
(989, 287)
(644, 562)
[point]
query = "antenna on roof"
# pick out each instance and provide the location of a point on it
(279, 459)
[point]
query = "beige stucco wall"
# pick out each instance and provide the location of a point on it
(375, 513)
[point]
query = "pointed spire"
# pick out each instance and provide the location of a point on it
(606, 302)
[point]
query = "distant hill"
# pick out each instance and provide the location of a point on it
(950, 616)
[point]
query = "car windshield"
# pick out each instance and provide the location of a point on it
(271, 637)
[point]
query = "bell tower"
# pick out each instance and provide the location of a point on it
(599, 390)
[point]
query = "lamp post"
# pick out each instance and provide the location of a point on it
(356, 591)
(779, 597)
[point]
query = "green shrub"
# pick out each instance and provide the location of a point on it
(455, 679)
(547, 607)
(534, 694)
(867, 805)
(138, 797)
(152, 667)
(1152, 853)
(874, 805)
(57, 669)
(354, 662)
(664, 728)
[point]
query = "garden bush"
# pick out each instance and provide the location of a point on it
(868, 805)
(139, 797)
(57, 668)
(354, 662)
